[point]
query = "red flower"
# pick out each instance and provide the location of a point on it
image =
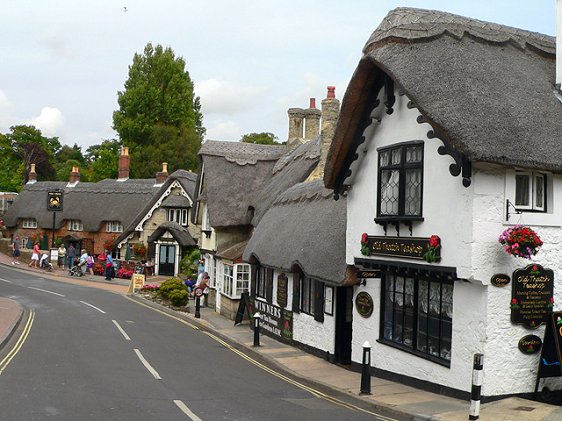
(364, 237)
(434, 241)
(551, 299)
(514, 301)
(535, 267)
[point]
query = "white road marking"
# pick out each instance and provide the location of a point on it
(45, 290)
(147, 365)
(93, 306)
(5, 280)
(186, 410)
(121, 330)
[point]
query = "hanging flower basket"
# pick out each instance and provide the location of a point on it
(520, 241)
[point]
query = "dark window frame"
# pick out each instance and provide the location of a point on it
(312, 298)
(402, 167)
(413, 348)
(532, 207)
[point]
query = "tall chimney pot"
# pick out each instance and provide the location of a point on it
(162, 175)
(312, 121)
(124, 164)
(74, 175)
(32, 176)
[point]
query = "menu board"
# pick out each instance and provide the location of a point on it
(532, 295)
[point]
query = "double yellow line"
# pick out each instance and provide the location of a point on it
(8, 358)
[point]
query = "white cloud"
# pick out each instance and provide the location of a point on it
(50, 121)
(56, 42)
(220, 96)
(223, 130)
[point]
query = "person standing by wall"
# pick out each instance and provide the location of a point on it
(16, 250)
(61, 261)
(71, 255)
(35, 256)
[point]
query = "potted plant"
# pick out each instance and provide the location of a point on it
(520, 241)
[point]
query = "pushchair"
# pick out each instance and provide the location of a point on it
(44, 263)
(76, 270)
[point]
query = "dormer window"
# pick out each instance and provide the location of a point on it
(114, 226)
(178, 215)
(530, 191)
(29, 223)
(75, 225)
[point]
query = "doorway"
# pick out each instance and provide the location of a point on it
(167, 260)
(344, 324)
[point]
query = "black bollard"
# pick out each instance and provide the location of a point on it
(477, 376)
(197, 308)
(366, 370)
(257, 317)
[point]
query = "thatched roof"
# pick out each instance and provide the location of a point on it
(179, 233)
(233, 173)
(305, 226)
(487, 88)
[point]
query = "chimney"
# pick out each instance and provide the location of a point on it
(311, 120)
(558, 43)
(330, 114)
(74, 176)
(32, 176)
(162, 175)
(296, 116)
(124, 161)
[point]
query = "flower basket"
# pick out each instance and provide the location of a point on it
(520, 241)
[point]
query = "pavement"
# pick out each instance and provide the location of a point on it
(391, 397)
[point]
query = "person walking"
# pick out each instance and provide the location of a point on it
(61, 261)
(90, 264)
(83, 261)
(16, 250)
(35, 256)
(109, 272)
(71, 254)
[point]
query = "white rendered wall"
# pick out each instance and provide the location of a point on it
(318, 335)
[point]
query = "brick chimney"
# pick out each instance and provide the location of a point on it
(330, 114)
(32, 176)
(74, 176)
(124, 162)
(311, 120)
(162, 175)
(296, 116)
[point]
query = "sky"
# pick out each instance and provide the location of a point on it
(63, 62)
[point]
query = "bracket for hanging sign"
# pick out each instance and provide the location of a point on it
(507, 212)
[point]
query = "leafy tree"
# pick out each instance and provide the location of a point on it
(68, 157)
(264, 138)
(157, 109)
(104, 160)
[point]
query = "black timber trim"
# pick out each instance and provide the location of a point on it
(406, 267)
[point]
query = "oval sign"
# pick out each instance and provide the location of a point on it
(364, 304)
(500, 280)
(530, 344)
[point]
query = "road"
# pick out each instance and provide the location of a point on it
(85, 353)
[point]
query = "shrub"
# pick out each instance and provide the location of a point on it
(178, 297)
(172, 284)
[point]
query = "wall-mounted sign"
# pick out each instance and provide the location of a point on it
(368, 274)
(275, 321)
(409, 247)
(500, 280)
(364, 304)
(532, 295)
(282, 283)
(530, 344)
(54, 201)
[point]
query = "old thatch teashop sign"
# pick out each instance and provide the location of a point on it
(532, 295)
(409, 247)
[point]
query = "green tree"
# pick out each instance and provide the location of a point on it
(103, 160)
(158, 109)
(263, 138)
(68, 157)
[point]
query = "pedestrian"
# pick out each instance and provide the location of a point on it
(205, 286)
(189, 283)
(109, 270)
(16, 250)
(71, 254)
(61, 261)
(90, 264)
(83, 261)
(35, 256)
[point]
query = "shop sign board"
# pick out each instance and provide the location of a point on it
(532, 295)
(364, 304)
(282, 286)
(530, 344)
(275, 321)
(500, 280)
(408, 247)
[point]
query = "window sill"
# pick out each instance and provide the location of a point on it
(437, 360)
(396, 221)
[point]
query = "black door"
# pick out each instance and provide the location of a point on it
(344, 323)
(167, 259)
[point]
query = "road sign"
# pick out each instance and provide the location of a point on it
(198, 292)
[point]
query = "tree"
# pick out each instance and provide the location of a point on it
(157, 109)
(103, 160)
(263, 138)
(68, 157)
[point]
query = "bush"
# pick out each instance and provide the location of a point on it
(188, 263)
(178, 297)
(169, 286)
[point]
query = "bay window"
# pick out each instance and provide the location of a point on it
(236, 279)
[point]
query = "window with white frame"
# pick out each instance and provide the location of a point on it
(211, 270)
(114, 226)
(206, 224)
(236, 279)
(178, 215)
(29, 223)
(530, 191)
(228, 277)
(75, 225)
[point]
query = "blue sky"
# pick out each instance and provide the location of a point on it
(64, 61)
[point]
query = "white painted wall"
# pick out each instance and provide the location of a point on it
(469, 221)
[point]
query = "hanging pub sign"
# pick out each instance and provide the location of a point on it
(282, 286)
(54, 200)
(364, 304)
(530, 344)
(532, 295)
(500, 280)
(408, 247)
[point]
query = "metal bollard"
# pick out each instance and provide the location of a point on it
(366, 370)
(197, 308)
(257, 317)
(477, 377)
